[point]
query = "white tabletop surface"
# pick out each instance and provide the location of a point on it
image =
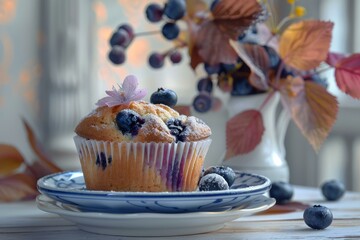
(23, 220)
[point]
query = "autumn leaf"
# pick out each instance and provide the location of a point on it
(17, 187)
(243, 132)
(213, 46)
(257, 59)
(333, 58)
(304, 45)
(44, 160)
(347, 75)
(209, 40)
(233, 17)
(10, 159)
(313, 110)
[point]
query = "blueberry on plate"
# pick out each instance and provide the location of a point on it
(318, 217)
(165, 96)
(226, 172)
(333, 190)
(282, 192)
(213, 182)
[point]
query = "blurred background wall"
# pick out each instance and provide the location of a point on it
(53, 68)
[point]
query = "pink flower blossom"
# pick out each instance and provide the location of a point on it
(126, 93)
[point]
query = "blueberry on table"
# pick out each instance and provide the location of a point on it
(154, 12)
(129, 121)
(170, 31)
(281, 191)
(164, 96)
(175, 9)
(318, 217)
(333, 190)
(213, 182)
(226, 172)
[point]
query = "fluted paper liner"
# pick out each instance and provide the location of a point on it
(153, 167)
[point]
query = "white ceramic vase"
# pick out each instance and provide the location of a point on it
(268, 158)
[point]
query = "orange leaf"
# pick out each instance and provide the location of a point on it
(313, 110)
(17, 187)
(232, 17)
(10, 159)
(304, 45)
(257, 59)
(243, 132)
(347, 74)
(213, 46)
(45, 161)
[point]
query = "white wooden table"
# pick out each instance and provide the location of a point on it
(22, 220)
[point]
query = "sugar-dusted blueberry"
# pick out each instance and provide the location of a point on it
(213, 182)
(129, 122)
(165, 96)
(318, 217)
(175, 9)
(154, 12)
(281, 191)
(170, 30)
(333, 190)
(226, 172)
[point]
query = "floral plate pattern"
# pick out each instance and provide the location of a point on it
(152, 224)
(69, 188)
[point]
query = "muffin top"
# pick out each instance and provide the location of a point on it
(140, 121)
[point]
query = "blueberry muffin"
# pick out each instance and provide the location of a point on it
(140, 146)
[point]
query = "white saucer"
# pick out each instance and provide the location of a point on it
(69, 187)
(151, 224)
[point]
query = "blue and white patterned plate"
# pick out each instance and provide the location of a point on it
(69, 187)
(152, 224)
